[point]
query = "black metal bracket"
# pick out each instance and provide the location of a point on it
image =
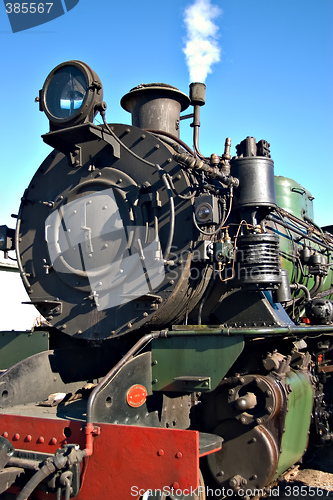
(68, 141)
(192, 383)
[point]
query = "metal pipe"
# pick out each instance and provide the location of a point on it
(197, 97)
(24, 463)
(47, 469)
(168, 189)
(255, 332)
(299, 232)
(317, 286)
(103, 383)
(303, 223)
(212, 172)
(18, 256)
(196, 135)
(298, 286)
(172, 141)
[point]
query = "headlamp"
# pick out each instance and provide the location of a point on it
(204, 213)
(6, 238)
(71, 95)
(206, 209)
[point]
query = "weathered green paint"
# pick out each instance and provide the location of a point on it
(208, 357)
(297, 200)
(15, 346)
(293, 197)
(297, 423)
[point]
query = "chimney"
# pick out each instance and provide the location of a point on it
(156, 106)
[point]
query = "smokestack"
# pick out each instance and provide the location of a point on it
(156, 106)
(197, 93)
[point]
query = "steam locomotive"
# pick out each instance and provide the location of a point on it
(188, 305)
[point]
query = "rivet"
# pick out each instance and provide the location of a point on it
(5, 434)
(40, 440)
(160, 453)
(28, 438)
(175, 486)
(53, 441)
(16, 437)
(179, 454)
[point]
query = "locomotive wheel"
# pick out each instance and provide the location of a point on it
(196, 495)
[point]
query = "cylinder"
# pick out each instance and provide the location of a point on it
(256, 182)
(156, 106)
(283, 293)
(258, 262)
(197, 93)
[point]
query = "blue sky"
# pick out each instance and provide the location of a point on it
(274, 80)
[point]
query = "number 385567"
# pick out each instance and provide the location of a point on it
(28, 8)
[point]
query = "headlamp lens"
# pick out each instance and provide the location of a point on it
(66, 92)
(204, 212)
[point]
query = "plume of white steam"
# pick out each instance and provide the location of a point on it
(201, 49)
